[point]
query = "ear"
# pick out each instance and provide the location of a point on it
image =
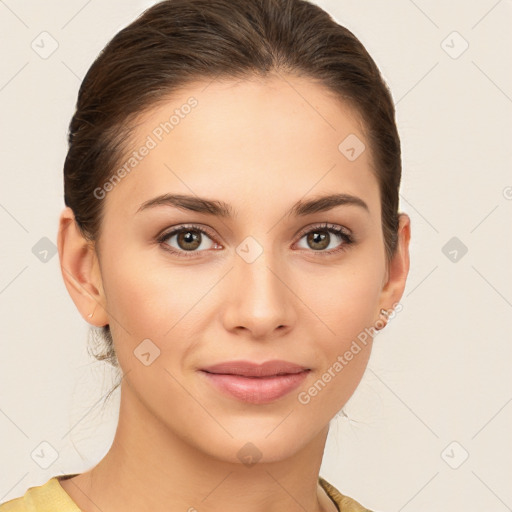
(80, 270)
(398, 267)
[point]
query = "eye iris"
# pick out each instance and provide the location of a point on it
(322, 239)
(189, 237)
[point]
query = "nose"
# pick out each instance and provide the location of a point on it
(259, 299)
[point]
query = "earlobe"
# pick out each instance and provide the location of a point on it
(80, 270)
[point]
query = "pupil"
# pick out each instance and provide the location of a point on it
(320, 238)
(189, 237)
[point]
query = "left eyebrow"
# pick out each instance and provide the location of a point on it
(325, 203)
(221, 209)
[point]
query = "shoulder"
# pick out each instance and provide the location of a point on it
(14, 505)
(344, 503)
(48, 497)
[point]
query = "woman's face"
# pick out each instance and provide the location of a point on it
(267, 280)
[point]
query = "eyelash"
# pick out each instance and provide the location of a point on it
(332, 228)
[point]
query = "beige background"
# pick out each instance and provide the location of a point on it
(438, 385)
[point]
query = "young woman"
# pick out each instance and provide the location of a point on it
(232, 226)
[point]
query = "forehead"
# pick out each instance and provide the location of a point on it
(247, 142)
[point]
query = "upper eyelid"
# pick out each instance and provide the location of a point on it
(183, 227)
(324, 225)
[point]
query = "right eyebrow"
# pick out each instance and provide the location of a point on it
(192, 203)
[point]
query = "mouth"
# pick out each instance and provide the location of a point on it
(253, 383)
(271, 368)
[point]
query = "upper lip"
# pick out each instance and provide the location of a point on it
(250, 369)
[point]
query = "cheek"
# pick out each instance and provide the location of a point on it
(134, 297)
(343, 342)
(148, 299)
(344, 303)
(345, 299)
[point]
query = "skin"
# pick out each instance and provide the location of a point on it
(259, 145)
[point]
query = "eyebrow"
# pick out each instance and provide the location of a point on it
(224, 210)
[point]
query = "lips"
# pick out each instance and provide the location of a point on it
(250, 369)
(255, 383)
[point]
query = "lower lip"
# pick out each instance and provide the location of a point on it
(256, 390)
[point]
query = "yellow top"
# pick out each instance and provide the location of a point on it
(51, 497)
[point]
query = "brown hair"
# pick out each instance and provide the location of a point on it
(178, 41)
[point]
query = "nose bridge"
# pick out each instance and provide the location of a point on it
(261, 301)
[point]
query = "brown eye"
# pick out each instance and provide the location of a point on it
(318, 240)
(187, 239)
(321, 237)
